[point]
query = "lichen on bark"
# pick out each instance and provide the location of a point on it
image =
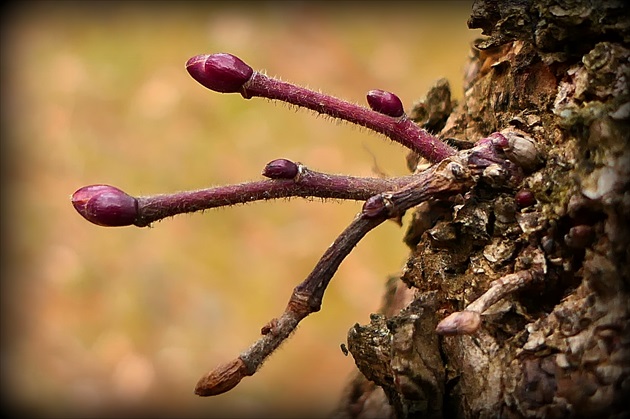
(559, 72)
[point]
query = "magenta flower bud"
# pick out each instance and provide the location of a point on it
(385, 102)
(281, 169)
(105, 205)
(524, 198)
(224, 73)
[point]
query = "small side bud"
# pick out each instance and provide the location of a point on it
(281, 169)
(223, 378)
(376, 206)
(498, 140)
(520, 148)
(579, 236)
(524, 198)
(224, 73)
(271, 327)
(385, 102)
(105, 205)
(459, 323)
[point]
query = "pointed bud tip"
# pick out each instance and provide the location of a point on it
(105, 205)
(222, 72)
(459, 323)
(222, 379)
(281, 169)
(385, 102)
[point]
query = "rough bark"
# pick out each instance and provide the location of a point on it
(561, 347)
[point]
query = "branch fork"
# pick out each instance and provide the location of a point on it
(452, 173)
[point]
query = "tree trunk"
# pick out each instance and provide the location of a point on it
(560, 347)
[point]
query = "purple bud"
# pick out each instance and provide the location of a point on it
(499, 140)
(221, 72)
(579, 236)
(524, 198)
(385, 102)
(375, 206)
(280, 169)
(105, 205)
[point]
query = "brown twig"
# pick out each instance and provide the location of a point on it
(440, 181)
(468, 321)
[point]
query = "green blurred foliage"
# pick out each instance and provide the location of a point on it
(100, 322)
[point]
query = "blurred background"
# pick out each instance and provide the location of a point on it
(107, 322)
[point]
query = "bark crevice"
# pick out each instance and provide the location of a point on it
(560, 347)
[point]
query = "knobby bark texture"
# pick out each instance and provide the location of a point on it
(560, 347)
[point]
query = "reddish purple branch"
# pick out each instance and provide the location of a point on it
(111, 207)
(226, 73)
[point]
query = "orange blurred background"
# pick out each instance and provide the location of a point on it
(101, 322)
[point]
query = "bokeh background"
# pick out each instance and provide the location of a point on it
(107, 322)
